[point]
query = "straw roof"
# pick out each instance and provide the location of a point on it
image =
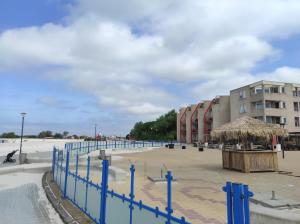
(247, 127)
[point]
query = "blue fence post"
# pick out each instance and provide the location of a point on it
(66, 173)
(169, 199)
(247, 195)
(61, 167)
(104, 186)
(238, 212)
(228, 190)
(115, 144)
(57, 166)
(53, 162)
(87, 182)
(76, 177)
(131, 195)
(88, 147)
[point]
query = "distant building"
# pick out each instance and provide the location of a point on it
(271, 102)
(195, 122)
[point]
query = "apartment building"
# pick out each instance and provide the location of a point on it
(187, 122)
(195, 122)
(272, 102)
(181, 124)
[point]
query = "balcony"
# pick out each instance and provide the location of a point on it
(266, 90)
(296, 93)
(275, 104)
(275, 120)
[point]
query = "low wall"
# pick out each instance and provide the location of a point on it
(262, 215)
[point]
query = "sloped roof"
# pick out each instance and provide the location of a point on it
(248, 127)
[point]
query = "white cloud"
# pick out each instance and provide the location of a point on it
(287, 74)
(124, 53)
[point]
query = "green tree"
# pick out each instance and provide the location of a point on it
(65, 134)
(58, 135)
(45, 134)
(9, 135)
(163, 128)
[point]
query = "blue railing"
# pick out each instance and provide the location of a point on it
(89, 146)
(105, 206)
(238, 195)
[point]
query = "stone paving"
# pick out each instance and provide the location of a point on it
(197, 193)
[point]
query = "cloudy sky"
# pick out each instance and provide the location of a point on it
(72, 63)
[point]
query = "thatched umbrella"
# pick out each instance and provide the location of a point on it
(246, 128)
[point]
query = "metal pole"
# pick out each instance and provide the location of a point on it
(95, 132)
(228, 190)
(87, 182)
(76, 177)
(104, 186)
(20, 155)
(53, 162)
(66, 174)
(132, 170)
(169, 198)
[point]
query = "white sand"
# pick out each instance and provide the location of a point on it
(33, 145)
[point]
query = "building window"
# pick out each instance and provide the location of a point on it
(297, 122)
(259, 105)
(258, 90)
(267, 90)
(242, 94)
(275, 104)
(296, 92)
(283, 120)
(273, 119)
(274, 90)
(296, 106)
(242, 109)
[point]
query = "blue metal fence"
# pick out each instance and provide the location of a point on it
(100, 203)
(238, 195)
(89, 146)
(105, 206)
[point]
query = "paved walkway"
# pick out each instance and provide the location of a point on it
(197, 192)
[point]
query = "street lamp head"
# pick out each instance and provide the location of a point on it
(23, 114)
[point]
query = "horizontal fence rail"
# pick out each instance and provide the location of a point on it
(90, 146)
(101, 204)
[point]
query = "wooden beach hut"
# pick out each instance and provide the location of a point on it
(247, 130)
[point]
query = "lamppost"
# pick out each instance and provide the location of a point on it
(20, 155)
(95, 132)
